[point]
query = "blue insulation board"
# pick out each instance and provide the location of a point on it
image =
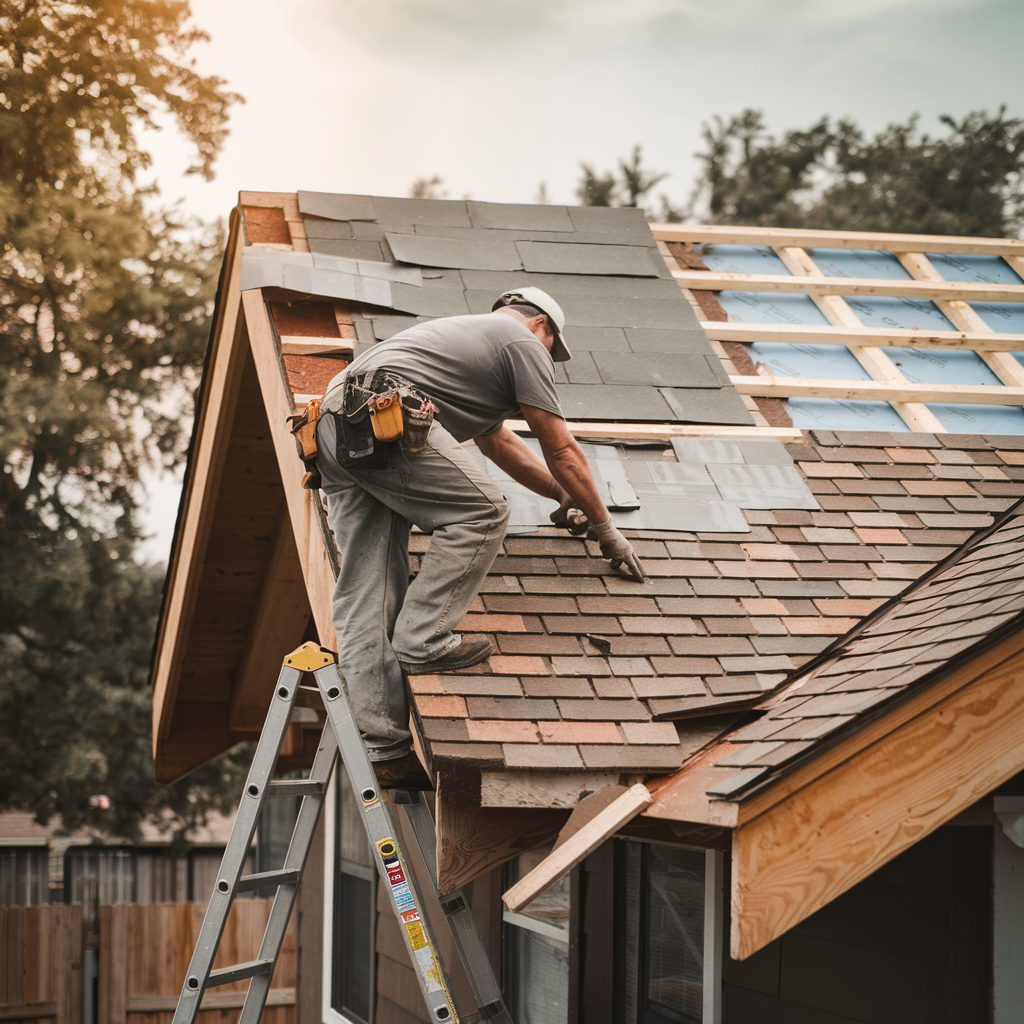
(835, 362)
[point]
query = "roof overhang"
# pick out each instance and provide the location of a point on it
(814, 833)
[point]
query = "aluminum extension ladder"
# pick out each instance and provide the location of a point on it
(383, 830)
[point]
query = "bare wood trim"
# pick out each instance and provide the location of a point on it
(878, 391)
(276, 626)
(211, 1001)
(224, 374)
(645, 431)
(474, 840)
(703, 280)
(565, 857)
(877, 363)
(822, 840)
(28, 1011)
(808, 238)
(806, 334)
(313, 557)
(962, 316)
(291, 346)
(1016, 263)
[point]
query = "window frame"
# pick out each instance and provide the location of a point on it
(328, 1014)
(630, 966)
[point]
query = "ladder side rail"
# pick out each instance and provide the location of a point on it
(237, 849)
(385, 840)
(295, 859)
(459, 916)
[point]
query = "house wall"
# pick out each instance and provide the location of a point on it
(912, 944)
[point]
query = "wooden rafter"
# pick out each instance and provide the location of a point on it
(870, 287)
(813, 334)
(878, 391)
(877, 363)
(720, 234)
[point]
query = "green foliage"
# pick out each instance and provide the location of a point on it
(626, 186)
(104, 308)
(968, 182)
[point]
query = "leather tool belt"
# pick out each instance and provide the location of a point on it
(378, 412)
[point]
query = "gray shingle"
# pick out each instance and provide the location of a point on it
(576, 258)
(512, 215)
(337, 206)
(474, 251)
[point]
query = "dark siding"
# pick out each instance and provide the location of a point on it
(909, 945)
(593, 995)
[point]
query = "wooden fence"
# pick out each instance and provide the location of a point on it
(144, 950)
(41, 963)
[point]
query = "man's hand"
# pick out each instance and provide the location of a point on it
(618, 550)
(567, 515)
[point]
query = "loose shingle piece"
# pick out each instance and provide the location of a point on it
(651, 360)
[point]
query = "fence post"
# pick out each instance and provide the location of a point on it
(67, 964)
(114, 952)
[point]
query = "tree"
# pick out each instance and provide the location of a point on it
(625, 187)
(104, 306)
(968, 182)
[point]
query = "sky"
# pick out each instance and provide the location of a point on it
(496, 96)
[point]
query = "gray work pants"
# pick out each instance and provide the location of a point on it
(380, 616)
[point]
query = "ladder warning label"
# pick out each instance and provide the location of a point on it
(411, 920)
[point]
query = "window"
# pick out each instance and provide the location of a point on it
(535, 950)
(670, 949)
(350, 897)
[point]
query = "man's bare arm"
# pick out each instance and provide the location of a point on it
(507, 450)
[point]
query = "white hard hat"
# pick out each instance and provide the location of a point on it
(539, 299)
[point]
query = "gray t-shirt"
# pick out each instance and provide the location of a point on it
(477, 369)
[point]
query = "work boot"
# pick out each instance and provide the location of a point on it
(469, 652)
(403, 772)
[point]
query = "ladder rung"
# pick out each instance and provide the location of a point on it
(295, 787)
(286, 876)
(239, 972)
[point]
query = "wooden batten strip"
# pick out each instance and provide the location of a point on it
(703, 280)
(578, 846)
(643, 431)
(722, 234)
(879, 391)
(211, 1001)
(962, 316)
(293, 346)
(808, 334)
(877, 363)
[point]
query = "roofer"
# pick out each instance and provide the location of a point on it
(472, 372)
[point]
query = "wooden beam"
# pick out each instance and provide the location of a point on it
(823, 839)
(578, 846)
(962, 316)
(878, 391)
(292, 346)
(474, 840)
(643, 431)
(313, 555)
(277, 625)
(721, 234)
(223, 375)
(533, 788)
(703, 280)
(813, 334)
(879, 366)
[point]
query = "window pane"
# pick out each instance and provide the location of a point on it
(352, 947)
(539, 986)
(536, 950)
(674, 960)
(350, 978)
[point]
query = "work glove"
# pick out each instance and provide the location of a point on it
(567, 515)
(618, 550)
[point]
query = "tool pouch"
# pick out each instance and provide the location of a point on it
(304, 431)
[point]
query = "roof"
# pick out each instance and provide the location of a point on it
(969, 601)
(766, 543)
